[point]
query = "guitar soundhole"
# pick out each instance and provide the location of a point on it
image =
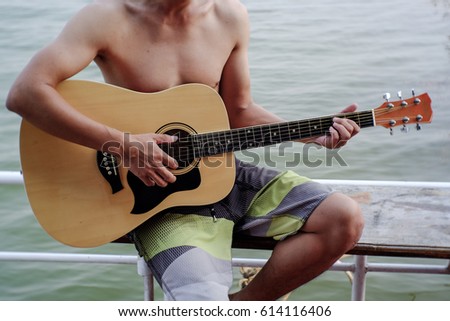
(183, 149)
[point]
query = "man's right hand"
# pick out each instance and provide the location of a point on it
(145, 159)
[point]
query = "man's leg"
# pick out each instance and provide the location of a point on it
(189, 254)
(333, 228)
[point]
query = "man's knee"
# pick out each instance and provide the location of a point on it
(348, 219)
(339, 219)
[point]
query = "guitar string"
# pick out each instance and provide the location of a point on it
(201, 145)
(313, 122)
(364, 120)
(200, 148)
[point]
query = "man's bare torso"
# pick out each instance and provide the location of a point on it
(147, 51)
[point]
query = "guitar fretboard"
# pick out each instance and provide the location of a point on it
(214, 143)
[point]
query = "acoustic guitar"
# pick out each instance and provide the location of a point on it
(86, 198)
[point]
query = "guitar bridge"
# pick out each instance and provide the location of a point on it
(109, 168)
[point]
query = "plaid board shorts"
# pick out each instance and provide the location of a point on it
(188, 249)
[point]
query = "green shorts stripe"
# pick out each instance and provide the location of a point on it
(175, 230)
(270, 197)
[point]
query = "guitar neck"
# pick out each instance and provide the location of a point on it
(214, 143)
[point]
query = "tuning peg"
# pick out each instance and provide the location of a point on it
(392, 124)
(405, 129)
(386, 97)
(418, 127)
(413, 92)
(399, 94)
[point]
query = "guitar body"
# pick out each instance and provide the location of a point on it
(71, 196)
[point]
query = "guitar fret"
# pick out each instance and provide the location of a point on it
(238, 140)
(277, 138)
(251, 132)
(285, 132)
(294, 130)
(227, 141)
(259, 135)
(267, 137)
(305, 128)
(195, 148)
(213, 144)
(244, 139)
(315, 129)
(273, 134)
(220, 142)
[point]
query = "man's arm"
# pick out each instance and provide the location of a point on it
(34, 97)
(243, 111)
(235, 87)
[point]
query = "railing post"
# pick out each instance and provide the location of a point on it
(359, 278)
(146, 273)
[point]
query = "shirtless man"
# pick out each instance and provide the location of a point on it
(151, 45)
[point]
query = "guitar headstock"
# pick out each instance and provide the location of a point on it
(415, 110)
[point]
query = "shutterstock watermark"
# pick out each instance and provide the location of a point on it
(288, 155)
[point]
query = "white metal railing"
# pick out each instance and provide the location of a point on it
(10, 178)
(360, 266)
(385, 183)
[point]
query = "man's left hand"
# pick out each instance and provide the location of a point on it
(340, 132)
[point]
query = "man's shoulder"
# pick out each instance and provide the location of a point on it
(98, 13)
(105, 6)
(99, 9)
(231, 10)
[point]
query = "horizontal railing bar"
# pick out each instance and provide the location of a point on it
(421, 184)
(370, 267)
(67, 257)
(407, 268)
(15, 177)
(244, 262)
(236, 262)
(121, 259)
(11, 178)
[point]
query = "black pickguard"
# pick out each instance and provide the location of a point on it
(148, 197)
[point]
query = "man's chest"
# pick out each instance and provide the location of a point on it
(149, 66)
